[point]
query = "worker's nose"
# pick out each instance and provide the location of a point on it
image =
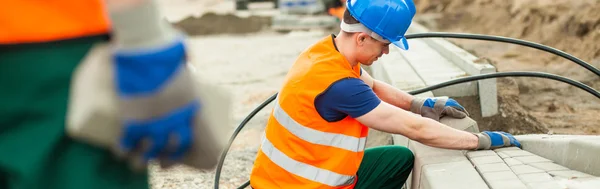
(386, 49)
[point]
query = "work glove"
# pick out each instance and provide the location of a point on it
(489, 140)
(437, 107)
(156, 101)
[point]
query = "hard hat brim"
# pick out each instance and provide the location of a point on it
(402, 43)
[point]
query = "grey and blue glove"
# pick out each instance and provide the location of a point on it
(155, 91)
(155, 101)
(489, 140)
(438, 107)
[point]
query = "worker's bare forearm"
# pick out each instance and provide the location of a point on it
(436, 134)
(392, 95)
(391, 119)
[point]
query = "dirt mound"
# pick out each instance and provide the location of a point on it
(570, 26)
(211, 23)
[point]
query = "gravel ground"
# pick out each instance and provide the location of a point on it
(253, 67)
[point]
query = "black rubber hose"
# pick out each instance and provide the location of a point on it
(235, 133)
(415, 92)
(506, 40)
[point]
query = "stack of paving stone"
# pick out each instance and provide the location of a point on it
(515, 168)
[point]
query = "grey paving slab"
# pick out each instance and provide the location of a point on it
(548, 166)
(507, 184)
(503, 155)
(576, 152)
(535, 177)
(525, 169)
(517, 153)
(486, 160)
(546, 185)
(451, 176)
(569, 174)
(506, 149)
(531, 159)
(492, 167)
(499, 175)
(473, 154)
(512, 162)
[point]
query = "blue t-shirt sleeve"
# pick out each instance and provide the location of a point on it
(346, 97)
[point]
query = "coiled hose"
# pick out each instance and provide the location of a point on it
(448, 83)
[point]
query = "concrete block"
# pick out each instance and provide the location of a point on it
(531, 159)
(488, 91)
(480, 153)
(470, 64)
(525, 169)
(581, 183)
(506, 149)
(548, 166)
(546, 185)
(512, 162)
(576, 152)
(569, 174)
(493, 167)
(517, 153)
(451, 176)
(507, 184)
(503, 155)
(439, 161)
(584, 155)
(434, 68)
(486, 160)
(501, 175)
(535, 177)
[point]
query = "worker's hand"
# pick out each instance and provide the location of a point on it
(156, 100)
(489, 140)
(438, 107)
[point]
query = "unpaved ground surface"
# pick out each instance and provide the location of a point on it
(570, 26)
(252, 67)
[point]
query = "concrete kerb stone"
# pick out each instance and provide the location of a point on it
(487, 89)
(576, 152)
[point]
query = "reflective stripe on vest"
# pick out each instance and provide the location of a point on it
(300, 149)
(302, 169)
(318, 137)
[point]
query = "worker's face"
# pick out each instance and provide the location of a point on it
(370, 49)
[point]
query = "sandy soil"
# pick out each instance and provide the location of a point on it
(570, 26)
(252, 67)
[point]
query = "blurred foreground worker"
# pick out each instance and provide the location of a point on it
(41, 44)
(316, 134)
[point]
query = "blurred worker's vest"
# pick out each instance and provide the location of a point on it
(300, 149)
(25, 21)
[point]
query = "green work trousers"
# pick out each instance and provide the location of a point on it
(385, 167)
(35, 151)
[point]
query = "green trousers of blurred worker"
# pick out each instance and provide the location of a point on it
(385, 167)
(35, 151)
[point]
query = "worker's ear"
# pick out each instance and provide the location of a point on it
(361, 38)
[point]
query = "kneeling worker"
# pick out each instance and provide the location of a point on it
(316, 134)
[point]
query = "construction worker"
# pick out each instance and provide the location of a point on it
(41, 43)
(315, 136)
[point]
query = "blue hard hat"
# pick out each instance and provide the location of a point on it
(388, 18)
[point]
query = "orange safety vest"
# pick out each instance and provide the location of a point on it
(26, 21)
(300, 149)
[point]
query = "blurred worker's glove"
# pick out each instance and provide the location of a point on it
(489, 140)
(156, 102)
(438, 107)
(156, 95)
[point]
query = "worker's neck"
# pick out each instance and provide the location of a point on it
(345, 47)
